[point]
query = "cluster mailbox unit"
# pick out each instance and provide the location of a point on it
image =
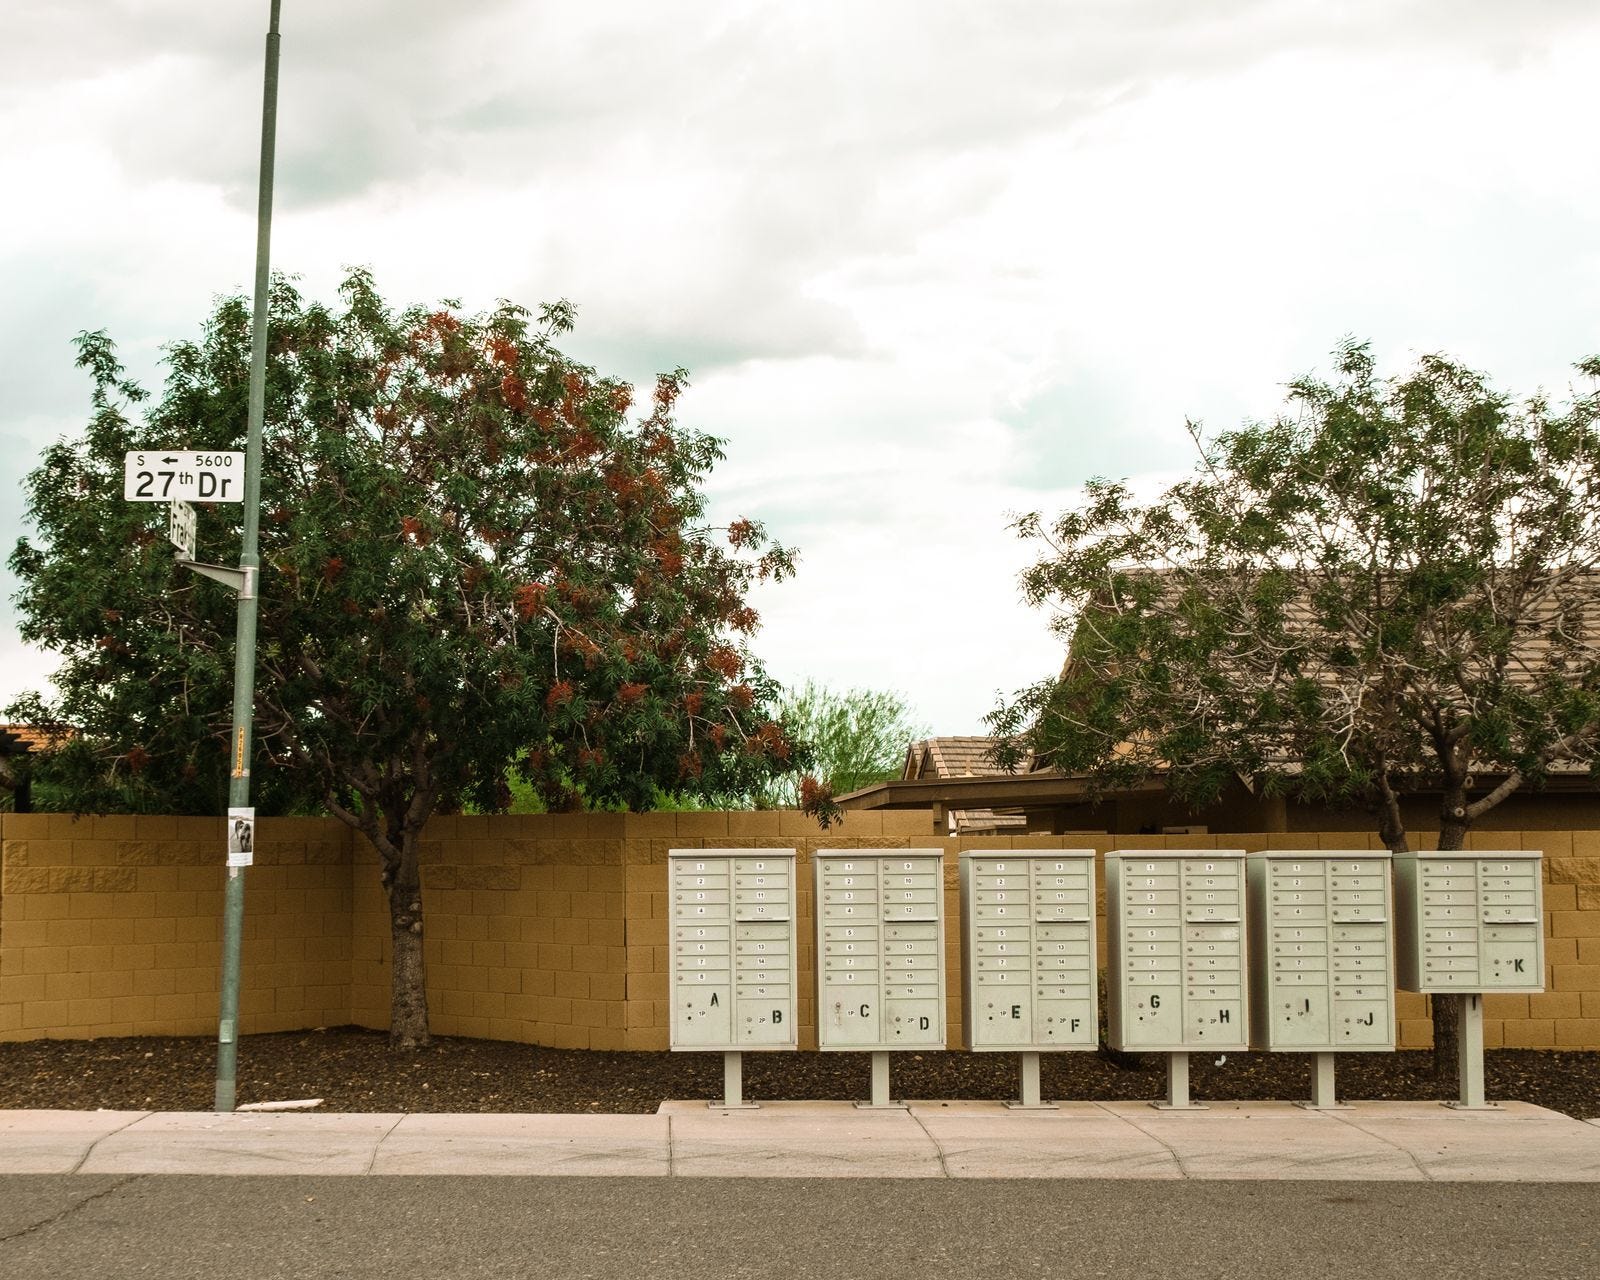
(733, 953)
(1470, 923)
(1321, 931)
(1176, 961)
(1028, 955)
(880, 953)
(1320, 937)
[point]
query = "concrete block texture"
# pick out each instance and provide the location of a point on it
(113, 923)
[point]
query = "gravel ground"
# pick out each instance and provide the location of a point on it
(354, 1070)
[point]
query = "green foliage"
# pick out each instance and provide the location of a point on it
(473, 553)
(856, 738)
(1395, 588)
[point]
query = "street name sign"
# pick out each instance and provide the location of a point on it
(172, 475)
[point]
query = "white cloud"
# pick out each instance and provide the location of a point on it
(929, 263)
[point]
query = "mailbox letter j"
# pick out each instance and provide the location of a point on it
(1367, 1021)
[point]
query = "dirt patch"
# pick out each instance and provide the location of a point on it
(355, 1070)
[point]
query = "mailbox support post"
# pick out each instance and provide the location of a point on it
(1323, 1094)
(1028, 1092)
(880, 1083)
(1177, 1098)
(733, 1085)
(1469, 1056)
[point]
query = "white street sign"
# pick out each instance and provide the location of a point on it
(180, 528)
(169, 475)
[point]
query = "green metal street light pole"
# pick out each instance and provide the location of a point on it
(244, 661)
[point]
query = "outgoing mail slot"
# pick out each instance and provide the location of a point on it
(759, 932)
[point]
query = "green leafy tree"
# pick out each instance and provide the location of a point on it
(477, 561)
(856, 738)
(1393, 590)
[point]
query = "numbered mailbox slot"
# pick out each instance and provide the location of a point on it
(702, 997)
(913, 963)
(850, 891)
(704, 896)
(1065, 984)
(763, 955)
(912, 890)
(851, 953)
(1001, 981)
(761, 894)
(763, 973)
(1214, 989)
(1508, 892)
(1213, 892)
(1062, 890)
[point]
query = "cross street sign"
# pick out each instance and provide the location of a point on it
(180, 529)
(171, 475)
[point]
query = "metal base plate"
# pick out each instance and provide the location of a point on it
(733, 1106)
(1180, 1106)
(1324, 1106)
(882, 1106)
(1463, 1106)
(1031, 1106)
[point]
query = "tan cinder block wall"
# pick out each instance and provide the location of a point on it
(525, 930)
(112, 926)
(547, 929)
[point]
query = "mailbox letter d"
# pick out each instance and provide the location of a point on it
(922, 1024)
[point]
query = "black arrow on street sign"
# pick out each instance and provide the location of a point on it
(169, 460)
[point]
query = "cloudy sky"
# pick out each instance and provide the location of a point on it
(931, 264)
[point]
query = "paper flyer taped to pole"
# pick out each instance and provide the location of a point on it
(241, 837)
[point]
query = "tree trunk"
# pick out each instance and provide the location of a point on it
(1446, 1009)
(408, 1017)
(407, 976)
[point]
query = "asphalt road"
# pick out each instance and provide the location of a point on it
(241, 1228)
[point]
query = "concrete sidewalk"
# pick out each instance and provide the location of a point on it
(1396, 1141)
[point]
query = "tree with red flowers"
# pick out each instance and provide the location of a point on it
(479, 559)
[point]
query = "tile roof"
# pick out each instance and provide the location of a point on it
(18, 738)
(956, 757)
